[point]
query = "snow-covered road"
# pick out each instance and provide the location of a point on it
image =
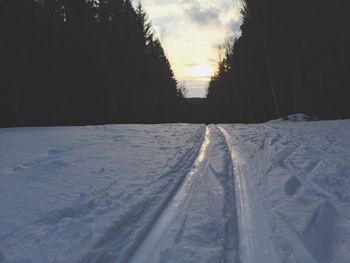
(273, 192)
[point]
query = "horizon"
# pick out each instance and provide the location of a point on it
(191, 34)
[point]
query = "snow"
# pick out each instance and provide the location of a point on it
(272, 192)
(192, 228)
(301, 172)
(70, 194)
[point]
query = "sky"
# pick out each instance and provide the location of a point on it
(191, 32)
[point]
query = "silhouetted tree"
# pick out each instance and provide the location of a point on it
(82, 62)
(291, 58)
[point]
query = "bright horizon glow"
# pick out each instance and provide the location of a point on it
(201, 71)
(191, 33)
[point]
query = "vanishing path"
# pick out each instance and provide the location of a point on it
(195, 216)
(255, 231)
(199, 223)
(176, 193)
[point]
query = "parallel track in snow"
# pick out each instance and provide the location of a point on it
(230, 194)
(255, 241)
(156, 235)
(106, 250)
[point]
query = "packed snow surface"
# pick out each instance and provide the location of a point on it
(273, 192)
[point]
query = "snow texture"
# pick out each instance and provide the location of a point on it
(272, 192)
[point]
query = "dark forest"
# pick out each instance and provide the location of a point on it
(293, 56)
(81, 62)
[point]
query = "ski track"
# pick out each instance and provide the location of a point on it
(106, 249)
(203, 189)
(255, 242)
(237, 194)
(110, 246)
(156, 236)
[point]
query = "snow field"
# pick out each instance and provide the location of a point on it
(272, 192)
(302, 175)
(97, 205)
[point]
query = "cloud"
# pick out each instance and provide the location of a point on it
(191, 64)
(200, 12)
(213, 61)
(235, 28)
(191, 30)
(162, 2)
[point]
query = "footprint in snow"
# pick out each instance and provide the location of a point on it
(292, 186)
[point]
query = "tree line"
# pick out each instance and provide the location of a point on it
(74, 62)
(293, 56)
